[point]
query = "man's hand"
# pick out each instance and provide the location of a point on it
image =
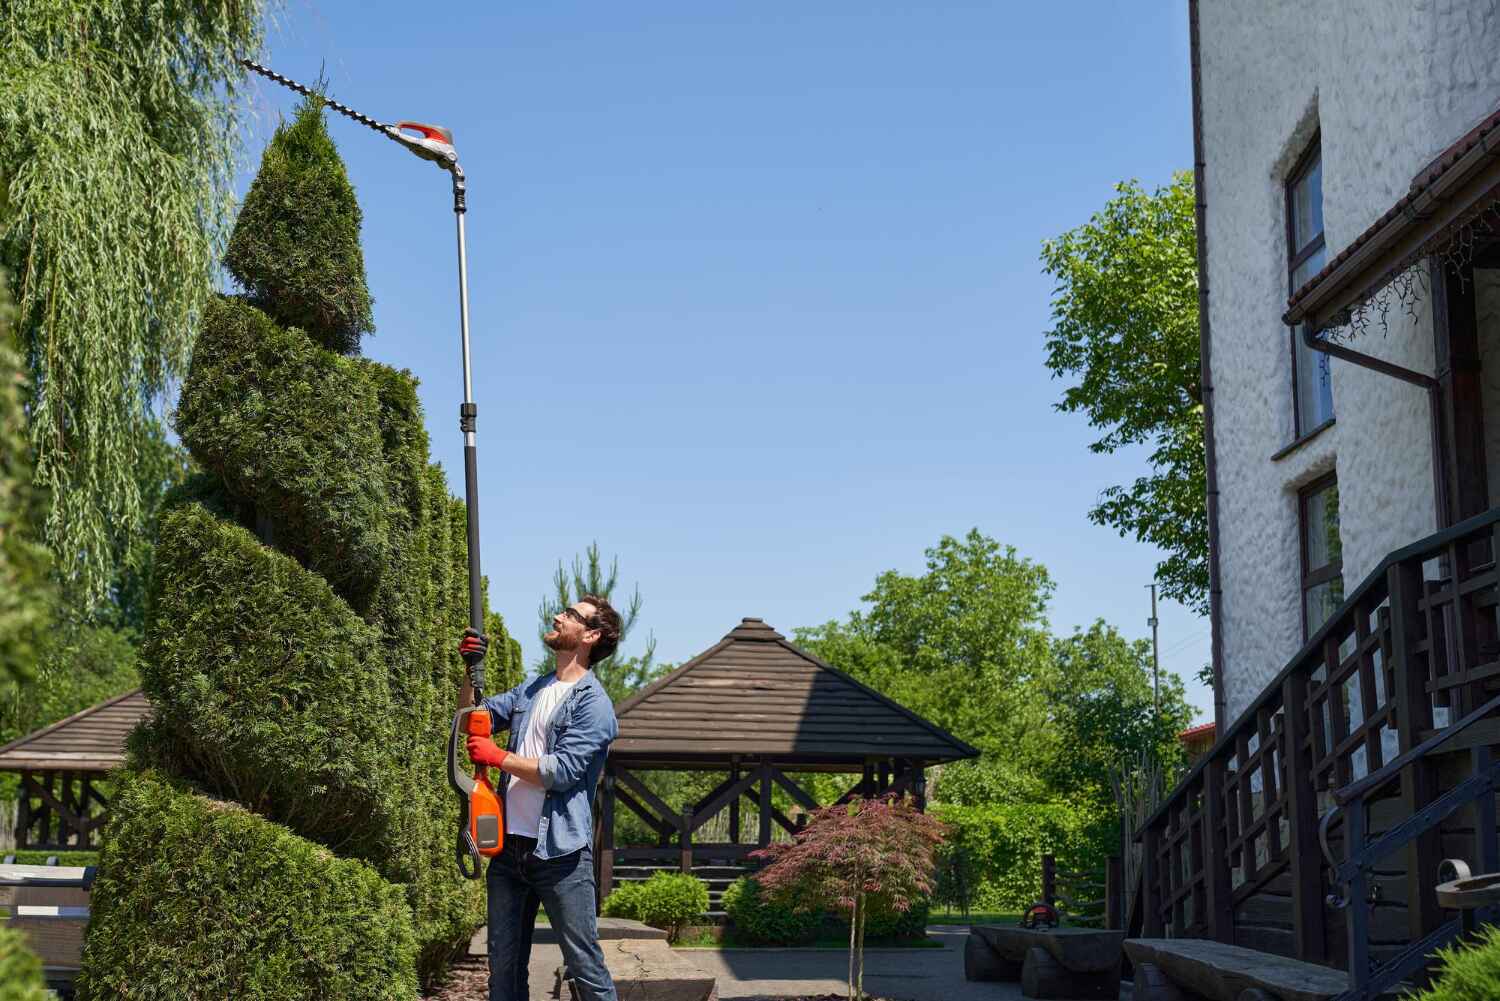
(473, 646)
(482, 751)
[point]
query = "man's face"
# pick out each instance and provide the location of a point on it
(570, 627)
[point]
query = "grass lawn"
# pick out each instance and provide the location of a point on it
(974, 918)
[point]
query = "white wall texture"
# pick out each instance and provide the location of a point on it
(1390, 83)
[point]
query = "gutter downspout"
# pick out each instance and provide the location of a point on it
(1206, 378)
(1434, 404)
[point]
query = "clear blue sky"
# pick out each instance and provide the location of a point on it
(755, 291)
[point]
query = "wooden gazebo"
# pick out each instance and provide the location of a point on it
(760, 710)
(60, 807)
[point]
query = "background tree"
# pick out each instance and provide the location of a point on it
(1125, 309)
(1102, 707)
(117, 153)
(620, 675)
(962, 645)
(23, 559)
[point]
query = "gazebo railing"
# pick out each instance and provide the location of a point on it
(1233, 853)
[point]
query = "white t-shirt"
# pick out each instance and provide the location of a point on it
(523, 800)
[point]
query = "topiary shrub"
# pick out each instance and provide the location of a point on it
(20, 970)
(1467, 973)
(670, 900)
(308, 591)
(757, 920)
(295, 248)
(201, 898)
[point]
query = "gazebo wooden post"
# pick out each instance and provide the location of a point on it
(686, 840)
(765, 804)
(919, 786)
(734, 805)
(607, 839)
(23, 815)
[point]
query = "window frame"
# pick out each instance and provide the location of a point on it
(1295, 259)
(1329, 571)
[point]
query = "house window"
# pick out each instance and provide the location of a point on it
(1322, 553)
(1312, 389)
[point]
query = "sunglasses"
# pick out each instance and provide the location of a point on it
(576, 616)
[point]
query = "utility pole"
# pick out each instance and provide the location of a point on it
(1155, 657)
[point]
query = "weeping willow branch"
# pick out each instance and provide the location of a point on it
(117, 147)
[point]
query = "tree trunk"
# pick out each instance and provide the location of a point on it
(853, 928)
(860, 991)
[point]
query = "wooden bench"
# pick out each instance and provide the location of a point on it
(48, 904)
(1051, 963)
(1190, 969)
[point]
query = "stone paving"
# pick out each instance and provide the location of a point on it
(746, 974)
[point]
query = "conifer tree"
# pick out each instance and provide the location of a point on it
(309, 590)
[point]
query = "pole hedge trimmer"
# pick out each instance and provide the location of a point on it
(481, 827)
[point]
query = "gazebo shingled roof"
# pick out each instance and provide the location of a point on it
(755, 694)
(60, 807)
(89, 741)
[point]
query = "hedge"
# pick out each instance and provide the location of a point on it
(295, 248)
(1003, 845)
(198, 898)
(20, 970)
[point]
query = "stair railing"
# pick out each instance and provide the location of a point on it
(1366, 979)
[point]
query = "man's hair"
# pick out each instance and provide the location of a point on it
(607, 621)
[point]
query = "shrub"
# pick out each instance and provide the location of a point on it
(624, 901)
(1003, 846)
(1467, 973)
(888, 923)
(199, 898)
(20, 970)
(670, 900)
(295, 248)
(760, 920)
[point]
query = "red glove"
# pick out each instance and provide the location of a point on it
(482, 751)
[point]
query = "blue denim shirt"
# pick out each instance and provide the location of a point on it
(576, 745)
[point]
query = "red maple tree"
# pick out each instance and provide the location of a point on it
(873, 854)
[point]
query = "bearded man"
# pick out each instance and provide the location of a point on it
(561, 725)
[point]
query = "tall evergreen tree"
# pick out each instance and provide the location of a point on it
(117, 156)
(620, 675)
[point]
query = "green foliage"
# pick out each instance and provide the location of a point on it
(1103, 709)
(624, 901)
(307, 594)
(620, 675)
(63, 858)
(504, 665)
(1004, 844)
(78, 666)
(672, 899)
(118, 150)
(198, 898)
(295, 248)
(961, 645)
(1467, 973)
(245, 649)
(23, 559)
(760, 920)
(20, 970)
(295, 431)
(1125, 310)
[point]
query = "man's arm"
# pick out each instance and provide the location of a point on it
(565, 765)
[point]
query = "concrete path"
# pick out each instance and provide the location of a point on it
(905, 974)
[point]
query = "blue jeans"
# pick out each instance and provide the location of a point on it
(518, 881)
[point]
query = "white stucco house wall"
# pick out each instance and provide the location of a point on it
(1370, 93)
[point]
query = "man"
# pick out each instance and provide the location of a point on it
(561, 725)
